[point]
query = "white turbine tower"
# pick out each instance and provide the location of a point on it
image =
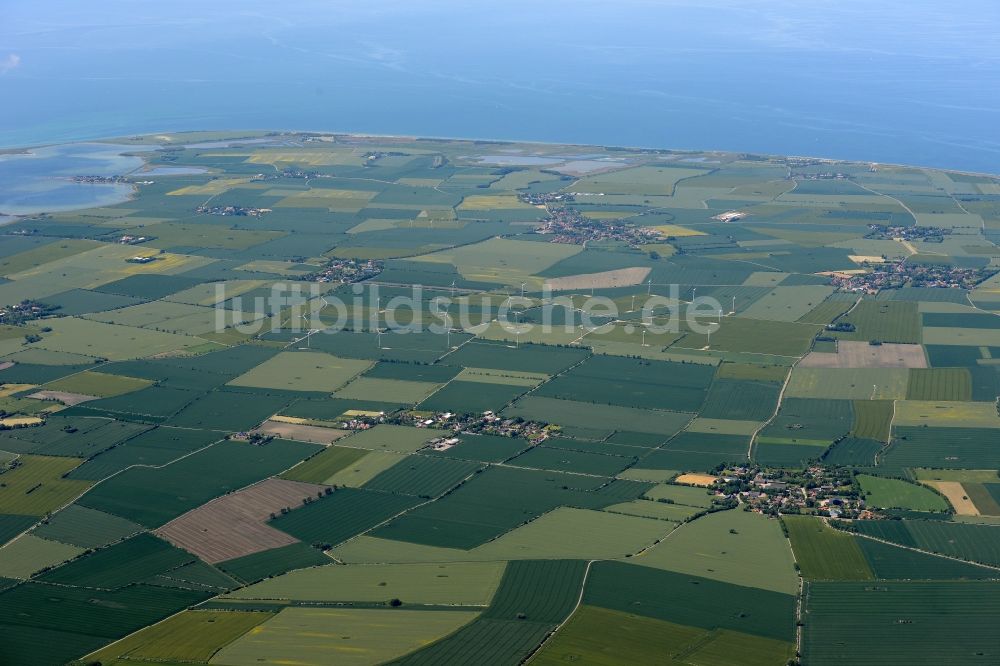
(708, 342)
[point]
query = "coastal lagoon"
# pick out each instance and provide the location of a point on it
(40, 180)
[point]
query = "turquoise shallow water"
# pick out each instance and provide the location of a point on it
(909, 81)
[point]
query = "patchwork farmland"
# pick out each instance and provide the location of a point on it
(370, 400)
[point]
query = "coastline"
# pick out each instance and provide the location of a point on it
(257, 133)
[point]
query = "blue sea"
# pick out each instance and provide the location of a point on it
(912, 81)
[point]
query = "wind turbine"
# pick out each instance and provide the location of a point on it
(309, 330)
(448, 315)
(708, 343)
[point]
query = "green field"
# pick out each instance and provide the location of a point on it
(823, 553)
(97, 339)
(483, 641)
(339, 516)
(566, 532)
(563, 460)
(37, 486)
(486, 448)
(387, 390)
(743, 400)
(29, 554)
(893, 562)
(35, 617)
(886, 321)
(632, 383)
(274, 562)
(658, 510)
(534, 596)
(897, 494)
(500, 499)
(601, 418)
(129, 561)
(601, 636)
(951, 447)
(423, 476)
(939, 384)
(350, 636)
(364, 469)
(872, 419)
(900, 623)
(472, 397)
(98, 383)
(525, 358)
(690, 600)
(459, 583)
(390, 438)
(202, 632)
(153, 496)
(302, 371)
(324, 464)
(946, 413)
(502, 261)
(754, 336)
(731, 546)
(684, 495)
(488, 496)
(788, 303)
(975, 543)
(849, 383)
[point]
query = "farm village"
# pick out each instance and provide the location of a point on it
(223, 441)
